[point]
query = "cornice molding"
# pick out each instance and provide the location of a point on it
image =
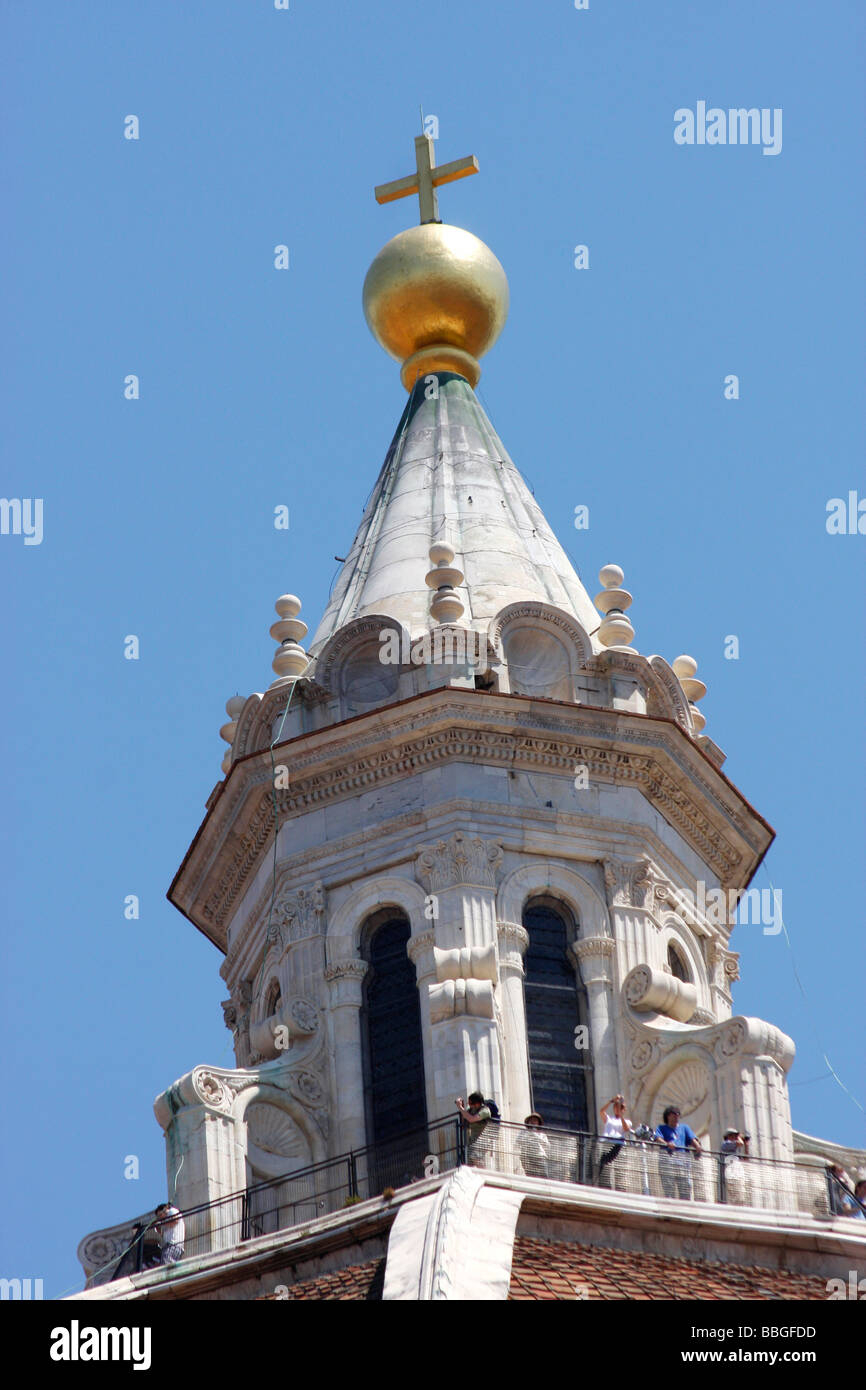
(441, 727)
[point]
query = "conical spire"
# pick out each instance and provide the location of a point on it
(436, 298)
(448, 479)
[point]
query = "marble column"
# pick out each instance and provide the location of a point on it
(513, 943)
(594, 958)
(420, 951)
(345, 981)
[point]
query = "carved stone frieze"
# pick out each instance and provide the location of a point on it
(461, 859)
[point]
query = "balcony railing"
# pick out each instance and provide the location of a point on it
(637, 1167)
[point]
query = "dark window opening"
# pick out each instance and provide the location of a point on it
(678, 967)
(560, 1073)
(393, 1054)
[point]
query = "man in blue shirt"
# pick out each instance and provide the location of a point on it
(675, 1164)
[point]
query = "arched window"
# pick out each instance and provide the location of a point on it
(393, 1050)
(560, 1073)
(677, 965)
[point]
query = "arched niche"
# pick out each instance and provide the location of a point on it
(361, 664)
(543, 649)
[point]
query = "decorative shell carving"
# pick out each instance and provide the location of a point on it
(273, 1130)
(687, 1087)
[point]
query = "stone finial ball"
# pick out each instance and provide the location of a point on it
(611, 576)
(435, 285)
(684, 667)
(441, 554)
(288, 606)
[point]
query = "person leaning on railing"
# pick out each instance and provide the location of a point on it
(674, 1161)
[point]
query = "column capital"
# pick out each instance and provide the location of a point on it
(593, 956)
(627, 882)
(513, 944)
(419, 949)
(345, 978)
(459, 860)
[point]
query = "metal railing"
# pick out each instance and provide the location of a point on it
(640, 1167)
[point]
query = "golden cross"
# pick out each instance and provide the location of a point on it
(426, 179)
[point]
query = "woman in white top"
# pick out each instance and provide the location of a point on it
(615, 1126)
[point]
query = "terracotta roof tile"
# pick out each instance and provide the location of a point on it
(544, 1269)
(354, 1283)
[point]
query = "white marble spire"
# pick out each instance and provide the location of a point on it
(448, 479)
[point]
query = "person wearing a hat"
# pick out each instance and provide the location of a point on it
(533, 1147)
(734, 1147)
(734, 1141)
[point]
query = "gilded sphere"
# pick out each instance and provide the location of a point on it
(433, 288)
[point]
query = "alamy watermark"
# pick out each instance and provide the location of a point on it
(735, 126)
(441, 647)
(845, 517)
(22, 516)
(757, 907)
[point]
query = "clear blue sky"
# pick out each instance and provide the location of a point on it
(260, 387)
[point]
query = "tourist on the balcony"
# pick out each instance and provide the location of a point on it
(170, 1228)
(476, 1115)
(734, 1142)
(674, 1158)
(860, 1193)
(533, 1147)
(841, 1192)
(615, 1126)
(734, 1147)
